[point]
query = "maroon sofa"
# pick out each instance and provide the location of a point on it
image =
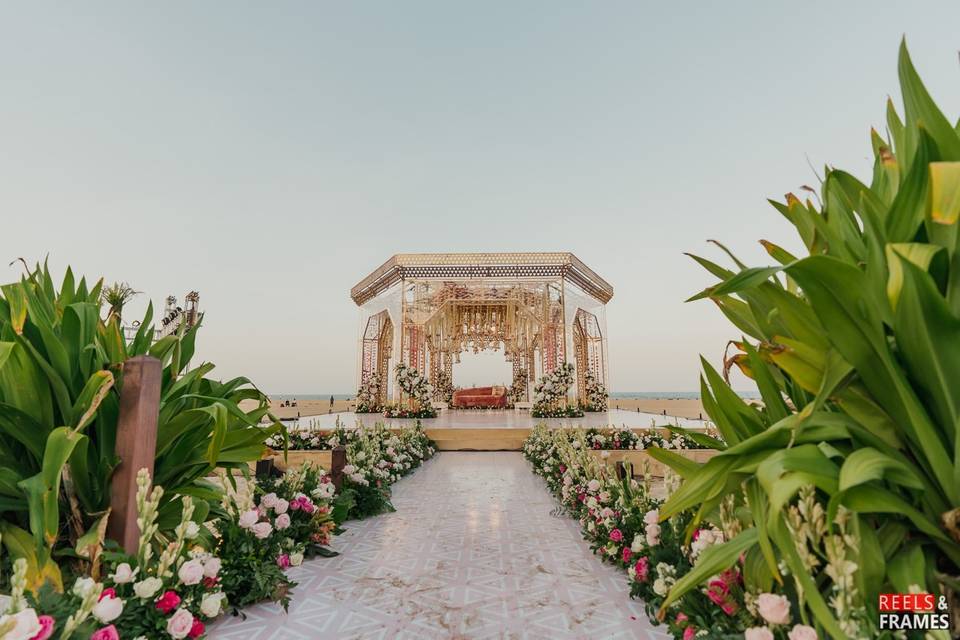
(489, 397)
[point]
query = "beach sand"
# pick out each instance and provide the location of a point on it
(682, 407)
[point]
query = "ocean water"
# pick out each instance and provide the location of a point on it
(659, 395)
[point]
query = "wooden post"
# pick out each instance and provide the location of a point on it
(621, 470)
(266, 469)
(338, 460)
(136, 445)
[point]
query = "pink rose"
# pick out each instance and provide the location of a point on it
(180, 624)
(262, 530)
(652, 517)
(616, 535)
(282, 522)
(269, 500)
(281, 506)
(295, 505)
(626, 554)
(802, 632)
(211, 567)
(198, 629)
(641, 568)
(283, 561)
(653, 534)
(47, 623)
(248, 518)
(758, 633)
(191, 572)
(168, 602)
(106, 633)
(689, 633)
(773, 608)
(307, 506)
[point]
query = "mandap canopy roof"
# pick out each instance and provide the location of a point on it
(469, 266)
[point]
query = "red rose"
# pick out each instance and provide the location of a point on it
(168, 602)
(197, 630)
(210, 583)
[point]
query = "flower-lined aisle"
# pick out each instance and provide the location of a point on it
(620, 519)
(174, 587)
(464, 555)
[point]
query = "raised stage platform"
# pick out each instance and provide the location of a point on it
(494, 430)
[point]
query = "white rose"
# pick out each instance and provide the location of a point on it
(108, 609)
(211, 603)
(637, 545)
(211, 567)
(296, 559)
(123, 574)
(248, 518)
(593, 485)
(26, 625)
(83, 586)
(660, 587)
(191, 572)
(179, 624)
(147, 587)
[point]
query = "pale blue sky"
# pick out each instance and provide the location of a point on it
(271, 154)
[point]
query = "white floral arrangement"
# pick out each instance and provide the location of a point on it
(414, 384)
(551, 391)
(369, 394)
(596, 393)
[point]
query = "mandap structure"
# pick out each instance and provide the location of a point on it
(425, 309)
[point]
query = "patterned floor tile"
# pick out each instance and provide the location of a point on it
(472, 552)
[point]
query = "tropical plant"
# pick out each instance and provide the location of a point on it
(116, 296)
(855, 350)
(60, 379)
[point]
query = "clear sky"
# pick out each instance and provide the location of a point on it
(270, 155)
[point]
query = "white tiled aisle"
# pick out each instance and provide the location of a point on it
(471, 552)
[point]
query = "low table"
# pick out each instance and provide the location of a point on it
(522, 406)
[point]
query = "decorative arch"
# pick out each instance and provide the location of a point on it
(377, 349)
(588, 351)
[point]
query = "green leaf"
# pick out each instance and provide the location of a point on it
(922, 111)
(867, 464)
(945, 192)
(713, 560)
(920, 254)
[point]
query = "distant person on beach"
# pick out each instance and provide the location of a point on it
(331, 402)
